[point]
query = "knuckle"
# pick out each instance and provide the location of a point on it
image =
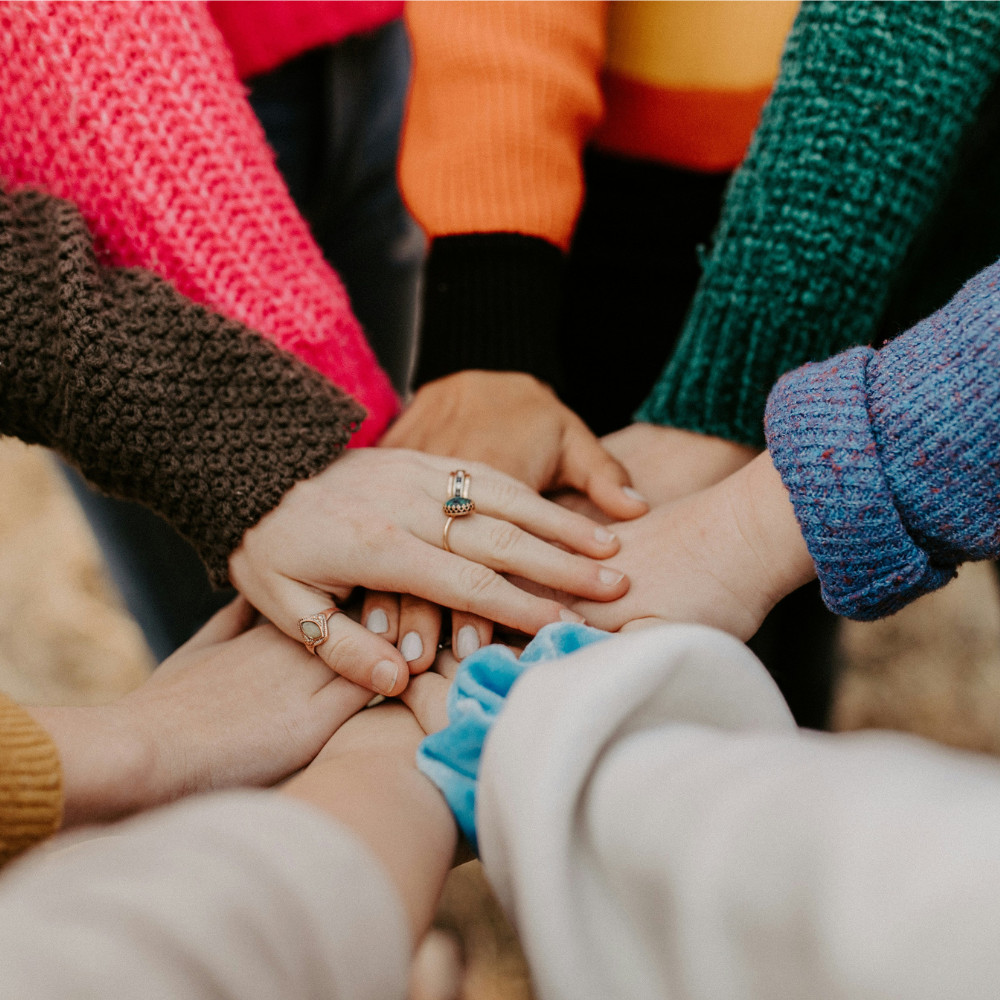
(503, 539)
(477, 581)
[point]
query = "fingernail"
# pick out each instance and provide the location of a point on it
(610, 577)
(603, 535)
(633, 494)
(467, 641)
(384, 676)
(378, 622)
(412, 647)
(571, 616)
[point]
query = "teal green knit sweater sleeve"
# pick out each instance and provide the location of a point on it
(852, 152)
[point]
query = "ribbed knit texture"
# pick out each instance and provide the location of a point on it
(154, 398)
(891, 457)
(31, 795)
(853, 149)
(133, 111)
(492, 301)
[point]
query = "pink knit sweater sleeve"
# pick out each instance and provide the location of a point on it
(134, 112)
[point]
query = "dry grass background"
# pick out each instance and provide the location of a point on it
(934, 669)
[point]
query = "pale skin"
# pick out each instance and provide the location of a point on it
(374, 519)
(234, 706)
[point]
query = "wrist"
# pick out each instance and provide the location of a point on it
(776, 559)
(107, 763)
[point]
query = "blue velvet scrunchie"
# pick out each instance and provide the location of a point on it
(450, 758)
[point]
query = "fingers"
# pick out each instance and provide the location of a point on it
(380, 614)
(427, 698)
(469, 633)
(419, 629)
(501, 496)
(456, 583)
(587, 467)
(506, 548)
(350, 649)
(227, 623)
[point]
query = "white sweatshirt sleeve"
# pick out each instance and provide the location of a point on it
(657, 828)
(238, 895)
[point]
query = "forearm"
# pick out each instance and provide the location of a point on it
(195, 197)
(889, 456)
(155, 399)
(853, 148)
(240, 895)
(396, 812)
(502, 101)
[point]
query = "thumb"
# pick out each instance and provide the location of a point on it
(227, 623)
(349, 649)
(591, 470)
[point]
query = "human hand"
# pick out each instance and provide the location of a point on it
(374, 519)
(234, 706)
(721, 557)
(667, 463)
(516, 424)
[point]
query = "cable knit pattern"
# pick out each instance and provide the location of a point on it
(31, 793)
(853, 148)
(891, 456)
(133, 112)
(154, 398)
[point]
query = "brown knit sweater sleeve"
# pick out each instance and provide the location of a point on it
(153, 398)
(30, 782)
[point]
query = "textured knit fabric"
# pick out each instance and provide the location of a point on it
(133, 111)
(853, 149)
(30, 782)
(154, 398)
(228, 896)
(891, 456)
(262, 34)
(451, 756)
(505, 96)
(657, 828)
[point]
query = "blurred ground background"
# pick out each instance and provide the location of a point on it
(934, 669)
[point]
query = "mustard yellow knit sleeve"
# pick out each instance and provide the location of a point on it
(31, 795)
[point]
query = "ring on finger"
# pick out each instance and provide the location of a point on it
(315, 628)
(458, 503)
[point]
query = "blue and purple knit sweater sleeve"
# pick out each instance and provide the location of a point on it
(892, 457)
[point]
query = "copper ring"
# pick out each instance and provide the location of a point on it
(316, 628)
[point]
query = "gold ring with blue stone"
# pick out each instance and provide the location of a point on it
(458, 503)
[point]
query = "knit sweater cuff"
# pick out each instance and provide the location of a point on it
(821, 441)
(491, 301)
(31, 796)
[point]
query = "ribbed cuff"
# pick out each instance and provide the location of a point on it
(820, 438)
(491, 301)
(31, 794)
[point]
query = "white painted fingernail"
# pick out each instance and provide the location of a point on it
(571, 616)
(610, 577)
(633, 494)
(467, 641)
(378, 622)
(603, 535)
(384, 676)
(412, 647)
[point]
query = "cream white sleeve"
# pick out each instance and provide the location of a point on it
(657, 828)
(238, 895)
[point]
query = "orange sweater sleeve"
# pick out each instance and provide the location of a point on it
(503, 98)
(31, 793)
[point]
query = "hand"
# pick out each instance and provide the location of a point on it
(666, 463)
(374, 519)
(516, 424)
(721, 557)
(234, 706)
